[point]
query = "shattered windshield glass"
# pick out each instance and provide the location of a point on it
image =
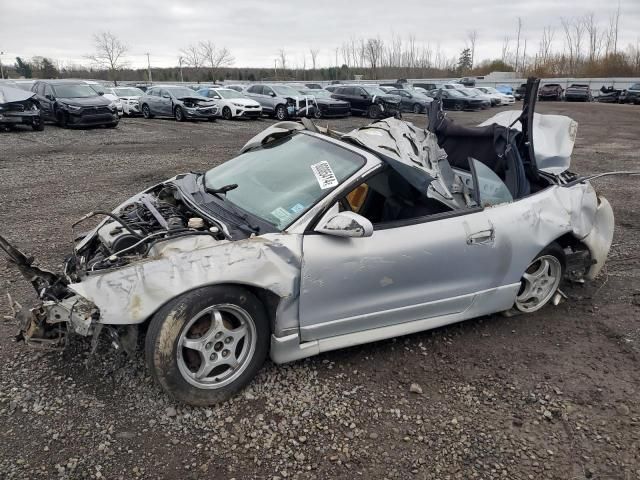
(283, 179)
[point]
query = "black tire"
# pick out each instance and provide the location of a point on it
(557, 267)
(281, 112)
(37, 124)
(457, 106)
(178, 114)
(146, 111)
(226, 113)
(165, 330)
(112, 125)
(317, 113)
(374, 111)
(61, 119)
(417, 108)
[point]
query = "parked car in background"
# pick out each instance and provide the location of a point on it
(232, 104)
(453, 86)
(237, 88)
(426, 86)
(506, 89)
(493, 100)
(281, 101)
(332, 88)
(178, 102)
(469, 92)
(369, 100)
(19, 107)
(453, 99)
(610, 95)
(421, 90)
(578, 92)
(550, 91)
(327, 106)
(520, 91)
(631, 94)
(502, 98)
(108, 94)
(467, 81)
(130, 99)
(313, 86)
(412, 100)
(74, 103)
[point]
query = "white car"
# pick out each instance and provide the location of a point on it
(478, 93)
(503, 97)
(130, 99)
(232, 104)
(108, 93)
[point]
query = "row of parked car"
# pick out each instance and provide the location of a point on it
(581, 92)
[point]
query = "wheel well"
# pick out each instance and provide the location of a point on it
(269, 300)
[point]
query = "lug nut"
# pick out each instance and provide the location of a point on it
(208, 346)
(228, 340)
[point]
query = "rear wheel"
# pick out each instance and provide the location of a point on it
(317, 113)
(417, 108)
(457, 106)
(206, 345)
(226, 113)
(541, 279)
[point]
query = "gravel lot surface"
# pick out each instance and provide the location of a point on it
(555, 394)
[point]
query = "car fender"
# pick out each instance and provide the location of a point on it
(132, 294)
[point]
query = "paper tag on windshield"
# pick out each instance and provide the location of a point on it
(281, 214)
(325, 176)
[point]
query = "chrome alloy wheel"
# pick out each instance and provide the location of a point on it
(216, 346)
(538, 284)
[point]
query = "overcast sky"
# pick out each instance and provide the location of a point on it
(255, 30)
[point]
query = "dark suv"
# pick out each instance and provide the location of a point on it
(72, 102)
(578, 92)
(369, 100)
(550, 91)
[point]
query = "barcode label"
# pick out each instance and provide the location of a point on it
(325, 176)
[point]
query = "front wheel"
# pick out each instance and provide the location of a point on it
(61, 119)
(178, 114)
(37, 124)
(206, 345)
(457, 107)
(317, 113)
(374, 111)
(226, 113)
(417, 108)
(146, 111)
(281, 112)
(541, 279)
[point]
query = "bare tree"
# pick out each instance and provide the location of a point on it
(545, 44)
(472, 37)
(192, 57)
(109, 54)
(314, 56)
(373, 51)
(215, 58)
(282, 56)
(505, 49)
(518, 31)
(595, 37)
(612, 33)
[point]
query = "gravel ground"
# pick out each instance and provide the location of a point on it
(553, 394)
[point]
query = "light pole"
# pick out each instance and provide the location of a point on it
(275, 69)
(180, 62)
(149, 67)
(1, 68)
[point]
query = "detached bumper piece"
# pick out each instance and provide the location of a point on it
(49, 323)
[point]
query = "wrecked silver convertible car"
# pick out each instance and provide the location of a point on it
(311, 240)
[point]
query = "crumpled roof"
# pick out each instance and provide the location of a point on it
(413, 152)
(11, 94)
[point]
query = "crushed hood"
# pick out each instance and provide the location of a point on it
(11, 94)
(553, 137)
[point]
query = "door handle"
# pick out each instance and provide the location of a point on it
(482, 237)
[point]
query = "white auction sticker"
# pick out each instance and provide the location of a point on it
(325, 176)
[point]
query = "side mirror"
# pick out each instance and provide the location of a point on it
(166, 95)
(346, 224)
(216, 97)
(272, 94)
(100, 93)
(364, 95)
(48, 96)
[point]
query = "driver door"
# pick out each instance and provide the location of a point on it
(164, 103)
(409, 270)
